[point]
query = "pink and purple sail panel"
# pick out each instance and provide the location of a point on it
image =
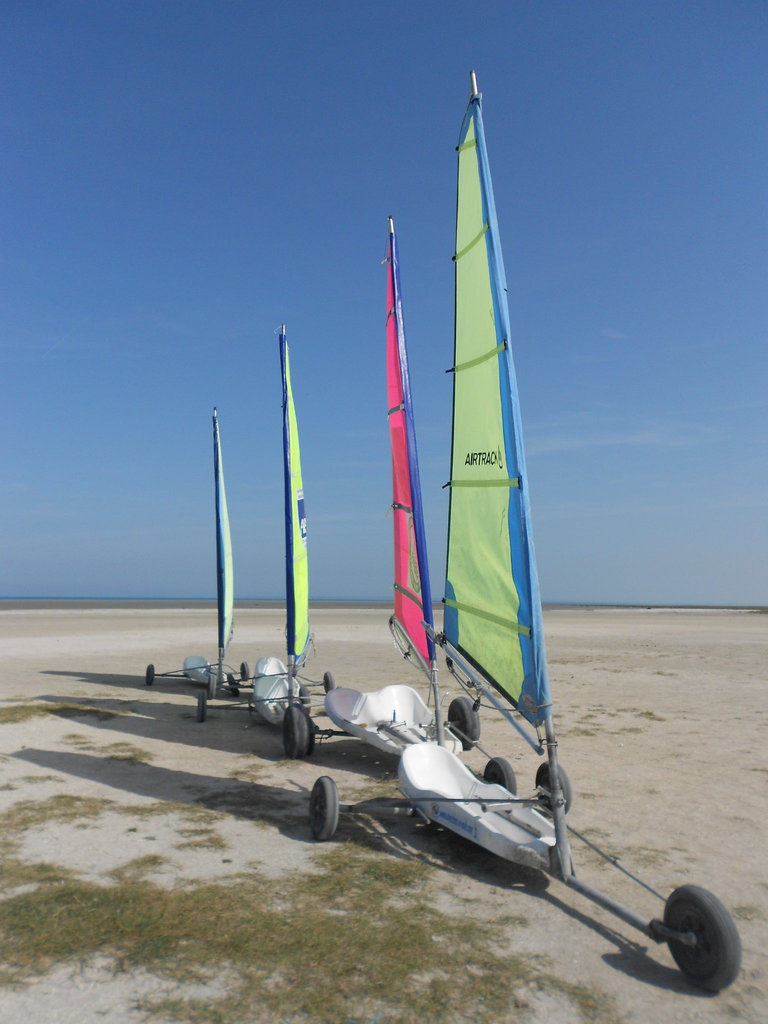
(413, 599)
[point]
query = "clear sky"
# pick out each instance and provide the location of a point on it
(180, 177)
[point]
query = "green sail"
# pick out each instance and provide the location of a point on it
(297, 566)
(493, 610)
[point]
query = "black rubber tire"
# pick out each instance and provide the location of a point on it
(329, 683)
(463, 716)
(149, 675)
(324, 808)
(245, 671)
(714, 962)
(542, 779)
(500, 771)
(202, 705)
(298, 733)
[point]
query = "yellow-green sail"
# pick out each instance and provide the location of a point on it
(492, 603)
(296, 564)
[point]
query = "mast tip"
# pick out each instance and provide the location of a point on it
(473, 90)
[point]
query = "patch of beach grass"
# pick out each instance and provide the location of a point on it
(248, 770)
(123, 751)
(646, 713)
(199, 838)
(137, 869)
(60, 808)
(16, 873)
(120, 751)
(23, 712)
(162, 808)
(359, 940)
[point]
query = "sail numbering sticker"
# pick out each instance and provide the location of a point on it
(302, 517)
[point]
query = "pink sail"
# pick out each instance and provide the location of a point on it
(412, 605)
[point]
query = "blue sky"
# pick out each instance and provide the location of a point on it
(178, 178)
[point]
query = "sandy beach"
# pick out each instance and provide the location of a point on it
(662, 717)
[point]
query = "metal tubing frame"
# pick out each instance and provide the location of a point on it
(481, 685)
(562, 869)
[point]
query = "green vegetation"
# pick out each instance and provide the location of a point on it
(358, 939)
(120, 751)
(63, 807)
(15, 713)
(197, 838)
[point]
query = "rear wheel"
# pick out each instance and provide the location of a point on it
(500, 771)
(305, 695)
(202, 706)
(542, 784)
(245, 671)
(329, 683)
(324, 808)
(149, 675)
(713, 963)
(298, 734)
(464, 722)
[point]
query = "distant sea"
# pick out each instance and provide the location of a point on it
(323, 602)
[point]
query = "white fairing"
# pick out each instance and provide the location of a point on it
(270, 690)
(448, 793)
(198, 669)
(391, 719)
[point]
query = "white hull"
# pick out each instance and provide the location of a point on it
(200, 671)
(269, 697)
(446, 791)
(391, 719)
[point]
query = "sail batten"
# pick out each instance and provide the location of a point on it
(412, 593)
(492, 603)
(296, 562)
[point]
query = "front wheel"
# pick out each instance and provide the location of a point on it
(324, 808)
(542, 784)
(464, 721)
(714, 961)
(298, 734)
(500, 771)
(149, 675)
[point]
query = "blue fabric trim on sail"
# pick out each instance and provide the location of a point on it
(536, 682)
(413, 458)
